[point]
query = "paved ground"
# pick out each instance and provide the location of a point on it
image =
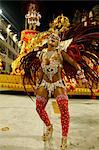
(21, 128)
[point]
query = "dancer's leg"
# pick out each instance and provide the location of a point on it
(62, 101)
(40, 107)
(41, 102)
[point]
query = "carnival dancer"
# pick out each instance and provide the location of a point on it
(48, 66)
(45, 64)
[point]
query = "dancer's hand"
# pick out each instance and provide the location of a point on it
(80, 75)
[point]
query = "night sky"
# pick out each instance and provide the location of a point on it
(16, 10)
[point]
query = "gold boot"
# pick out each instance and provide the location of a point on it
(48, 134)
(63, 143)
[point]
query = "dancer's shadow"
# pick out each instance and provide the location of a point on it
(37, 139)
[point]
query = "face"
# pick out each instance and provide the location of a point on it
(53, 41)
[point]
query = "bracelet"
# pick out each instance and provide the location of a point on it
(80, 71)
(80, 74)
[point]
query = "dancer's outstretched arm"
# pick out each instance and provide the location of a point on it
(67, 58)
(80, 71)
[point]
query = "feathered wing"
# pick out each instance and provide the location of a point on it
(84, 48)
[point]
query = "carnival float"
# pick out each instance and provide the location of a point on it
(32, 39)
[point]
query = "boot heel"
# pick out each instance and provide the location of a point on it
(48, 134)
(63, 144)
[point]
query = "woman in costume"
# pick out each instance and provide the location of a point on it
(48, 66)
(43, 66)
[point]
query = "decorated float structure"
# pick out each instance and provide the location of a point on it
(31, 38)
